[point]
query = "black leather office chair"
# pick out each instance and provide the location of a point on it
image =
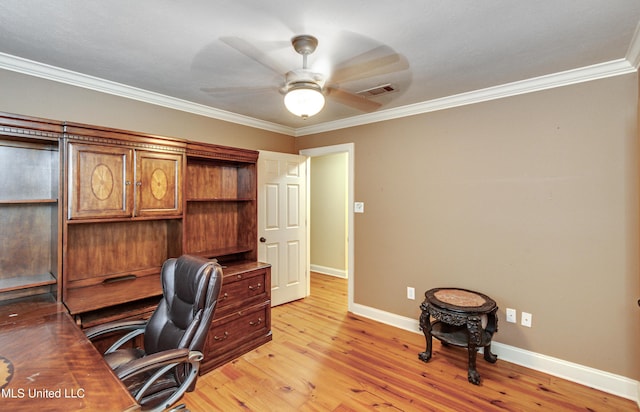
(158, 375)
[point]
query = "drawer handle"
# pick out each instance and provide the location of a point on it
(223, 337)
(226, 295)
(117, 279)
(256, 287)
(252, 323)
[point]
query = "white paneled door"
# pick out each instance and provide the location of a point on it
(282, 224)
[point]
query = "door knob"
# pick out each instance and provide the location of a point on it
(262, 240)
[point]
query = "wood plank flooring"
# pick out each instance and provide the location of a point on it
(325, 359)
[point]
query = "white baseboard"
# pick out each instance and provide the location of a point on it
(584, 375)
(340, 273)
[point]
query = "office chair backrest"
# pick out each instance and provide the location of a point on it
(191, 286)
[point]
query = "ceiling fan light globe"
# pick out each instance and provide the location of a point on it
(304, 102)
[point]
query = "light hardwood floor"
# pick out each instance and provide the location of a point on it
(325, 359)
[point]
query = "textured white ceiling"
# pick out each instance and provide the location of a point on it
(177, 48)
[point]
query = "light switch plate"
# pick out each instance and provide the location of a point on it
(411, 293)
(358, 207)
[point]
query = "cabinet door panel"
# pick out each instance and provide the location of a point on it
(158, 184)
(99, 177)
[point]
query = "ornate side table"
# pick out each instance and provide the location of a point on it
(461, 318)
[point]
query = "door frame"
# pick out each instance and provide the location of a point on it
(348, 148)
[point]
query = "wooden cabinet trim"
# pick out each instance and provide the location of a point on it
(18, 126)
(117, 137)
(217, 152)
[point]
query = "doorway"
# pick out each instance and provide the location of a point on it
(348, 149)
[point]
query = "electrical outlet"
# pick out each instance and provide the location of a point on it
(511, 315)
(526, 319)
(411, 293)
(358, 207)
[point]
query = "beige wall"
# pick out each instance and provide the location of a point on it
(532, 199)
(27, 95)
(329, 212)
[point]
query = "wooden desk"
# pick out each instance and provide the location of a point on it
(48, 364)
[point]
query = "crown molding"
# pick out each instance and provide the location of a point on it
(633, 53)
(57, 74)
(580, 75)
(598, 71)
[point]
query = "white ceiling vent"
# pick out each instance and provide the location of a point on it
(377, 91)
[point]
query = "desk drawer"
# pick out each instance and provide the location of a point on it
(112, 291)
(242, 290)
(237, 328)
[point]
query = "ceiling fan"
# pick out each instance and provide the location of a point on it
(305, 90)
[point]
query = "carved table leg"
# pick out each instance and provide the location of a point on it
(488, 356)
(475, 332)
(492, 327)
(425, 325)
(473, 375)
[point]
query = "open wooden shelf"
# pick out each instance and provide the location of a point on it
(30, 198)
(246, 199)
(26, 282)
(27, 201)
(221, 252)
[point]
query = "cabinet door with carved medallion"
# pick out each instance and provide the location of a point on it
(158, 182)
(100, 181)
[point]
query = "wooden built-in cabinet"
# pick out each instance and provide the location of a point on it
(90, 214)
(135, 201)
(124, 195)
(220, 222)
(30, 213)
(221, 198)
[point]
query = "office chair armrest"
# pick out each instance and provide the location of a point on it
(154, 369)
(135, 328)
(170, 357)
(117, 326)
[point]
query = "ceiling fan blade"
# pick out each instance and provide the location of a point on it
(238, 90)
(254, 53)
(352, 99)
(375, 62)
